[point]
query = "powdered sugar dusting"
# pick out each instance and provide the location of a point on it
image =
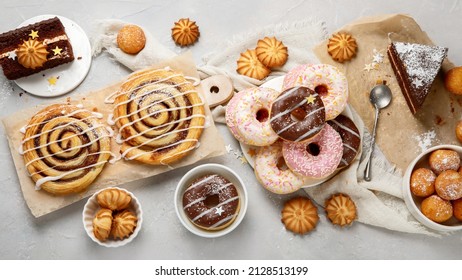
(422, 63)
(425, 140)
(5, 91)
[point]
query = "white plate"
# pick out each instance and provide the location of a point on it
(92, 207)
(70, 74)
(276, 84)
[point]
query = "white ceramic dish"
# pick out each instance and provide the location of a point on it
(70, 74)
(413, 202)
(197, 172)
(89, 212)
(276, 84)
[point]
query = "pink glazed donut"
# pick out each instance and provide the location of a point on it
(270, 174)
(247, 115)
(229, 115)
(326, 80)
(317, 158)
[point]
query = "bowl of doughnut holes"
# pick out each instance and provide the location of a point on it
(112, 217)
(433, 188)
(211, 200)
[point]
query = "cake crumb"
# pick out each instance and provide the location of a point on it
(95, 109)
(79, 58)
(20, 94)
(439, 120)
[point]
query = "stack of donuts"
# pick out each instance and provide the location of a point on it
(300, 131)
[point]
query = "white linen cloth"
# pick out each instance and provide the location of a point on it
(379, 202)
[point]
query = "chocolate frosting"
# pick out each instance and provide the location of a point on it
(350, 137)
(195, 206)
(313, 115)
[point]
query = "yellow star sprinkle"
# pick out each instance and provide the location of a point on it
(243, 160)
(310, 99)
(57, 50)
(52, 80)
(34, 34)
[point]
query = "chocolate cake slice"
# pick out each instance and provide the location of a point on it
(33, 48)
(415, 67)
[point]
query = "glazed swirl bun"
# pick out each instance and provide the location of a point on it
(160, 116)
(65, 148)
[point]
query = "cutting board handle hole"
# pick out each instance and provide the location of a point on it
(214, 89)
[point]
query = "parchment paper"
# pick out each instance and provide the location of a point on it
(123, 171)
(398, 130)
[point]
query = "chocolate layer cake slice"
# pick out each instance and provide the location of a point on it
(33, 48)
(415, 67)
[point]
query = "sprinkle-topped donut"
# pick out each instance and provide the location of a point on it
(317, 158)
(247, 116)
(272, 173)
(350, 137)
(211, 202)
(229, 115)
(297, 114)
(326, 80)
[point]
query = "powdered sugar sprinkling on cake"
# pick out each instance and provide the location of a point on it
(416, 67)
(422, 62)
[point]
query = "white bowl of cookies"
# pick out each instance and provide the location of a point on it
(112, 217)
(433, 188)
(211, 200)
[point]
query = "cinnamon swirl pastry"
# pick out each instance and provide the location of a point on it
(65, 147)
(160, 116)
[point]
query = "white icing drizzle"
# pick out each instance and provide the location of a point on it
(80, 107)
(63, 151)
(288, 110)
(57, 127)
(285, 95)
(55, 39)
(207, 122)
(92, 154)
(156, 127)
(211, 209)
(120, 140)
(66, 138)
(203, 198)
(194, 202)
(112, 97)
(194, 81)
(219, 223)
(43, 180)
(201, 182)
(24, 128)
(349, 147)
(312, 131)
(346, 128)
(110, 119)
(154, 113)
(182, 152)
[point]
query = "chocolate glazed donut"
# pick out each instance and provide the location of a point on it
(211, 202)
(350, 137)
(298, 114)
